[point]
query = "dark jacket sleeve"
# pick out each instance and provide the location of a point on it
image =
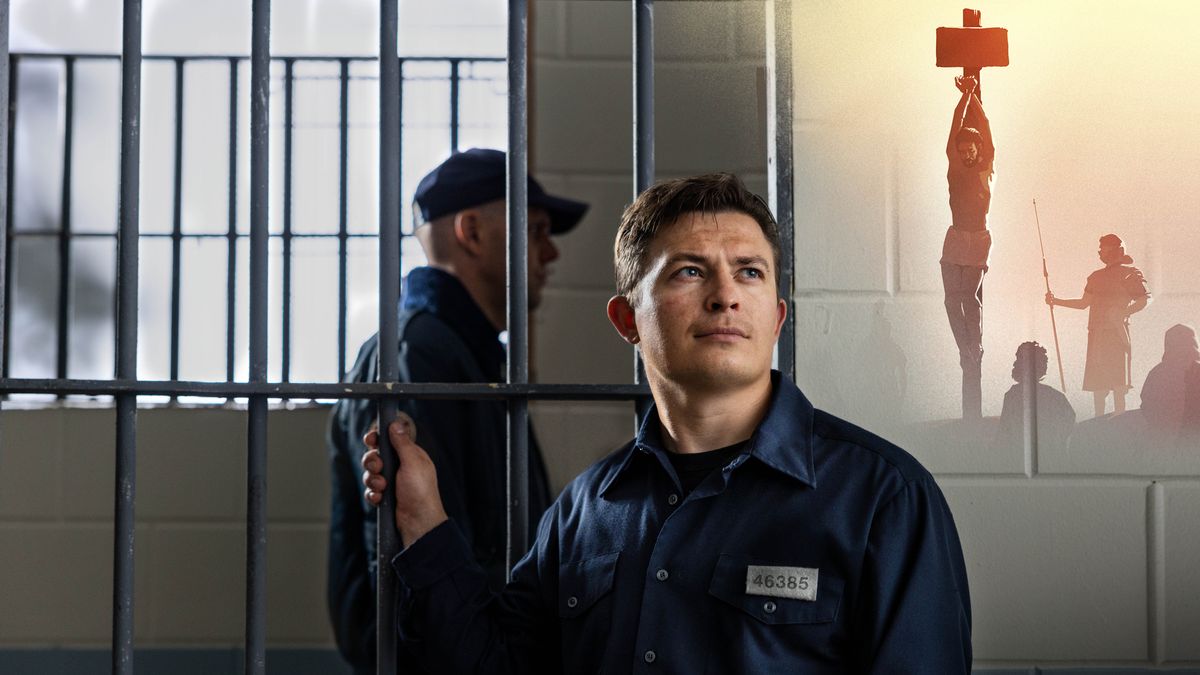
(451, 621)
(350, 588)
(915, 616)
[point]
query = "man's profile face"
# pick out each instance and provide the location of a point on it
(968, 153)
(542, 250)
(707, 311)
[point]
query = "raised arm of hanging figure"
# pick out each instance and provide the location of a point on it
(968, 114)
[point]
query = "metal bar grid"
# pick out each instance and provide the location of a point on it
(65, 235)
(517, 391)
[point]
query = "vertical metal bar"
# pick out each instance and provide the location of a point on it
(643, 95)
(177, 221)
(13, 73)
(454, 63)
(64, 226)
(127, 320)
(343, 191)
(256, 463)
(643, 131)
(518, 280)
(389, 298)
(780, 104)
(231, 236)
(7, 116)
(285, 340)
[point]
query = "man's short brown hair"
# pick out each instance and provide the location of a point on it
(666, 202)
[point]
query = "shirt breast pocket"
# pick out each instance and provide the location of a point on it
(771, 630)
(585, 607)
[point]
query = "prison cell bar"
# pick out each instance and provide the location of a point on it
(343, 206)
(231, 233)
(12, 75)
(7, 80)
(518, 281)
(780, 104)
(389, 300)
(127, 319)
(177, 220)
(285, 340)
(454, 64)
(64, 220)
(256, 455)
(643, 136)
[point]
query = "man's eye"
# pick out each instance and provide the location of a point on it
(753, 273)
(688, 272)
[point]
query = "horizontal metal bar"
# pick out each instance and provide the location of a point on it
(435, 390)
(192, 235)
(274, 57)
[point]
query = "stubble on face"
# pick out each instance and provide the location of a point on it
(708, 313)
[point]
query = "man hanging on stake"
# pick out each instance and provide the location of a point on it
(967, 243)
(970, 152)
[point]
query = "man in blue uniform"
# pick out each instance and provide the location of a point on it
(451, 314)
(740, 531)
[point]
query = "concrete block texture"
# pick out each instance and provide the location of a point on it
(56, 583)
(1181, 592)
(690, 31)
(574, 435)
(29, 461)
(566, 322)
(1057, 569)
(708, 117)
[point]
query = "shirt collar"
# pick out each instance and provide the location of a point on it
(782, 441)
(443, 295)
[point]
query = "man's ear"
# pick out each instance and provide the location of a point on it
(780, 316)
(621, 315)
(468, 231)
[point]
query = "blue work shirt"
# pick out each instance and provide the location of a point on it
(820, 548)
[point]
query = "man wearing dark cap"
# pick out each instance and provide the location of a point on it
(1113, 293)
(452, 312)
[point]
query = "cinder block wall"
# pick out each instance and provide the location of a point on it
(1092, 561)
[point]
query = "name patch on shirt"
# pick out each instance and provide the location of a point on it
(799, 583)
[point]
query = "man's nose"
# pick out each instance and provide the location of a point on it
(723, 294)
(547, 250)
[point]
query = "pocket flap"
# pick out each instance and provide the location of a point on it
(581, 583)
(729, 585)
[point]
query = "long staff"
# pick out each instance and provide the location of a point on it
(1046, 275)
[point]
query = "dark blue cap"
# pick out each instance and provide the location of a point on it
(478, 176)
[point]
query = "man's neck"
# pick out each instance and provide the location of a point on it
(476, 289)
(698, 420)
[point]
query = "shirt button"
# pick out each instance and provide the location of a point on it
(572, 602)
(673, 499)
(650, 656)
(769, 607)
(661, 575)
